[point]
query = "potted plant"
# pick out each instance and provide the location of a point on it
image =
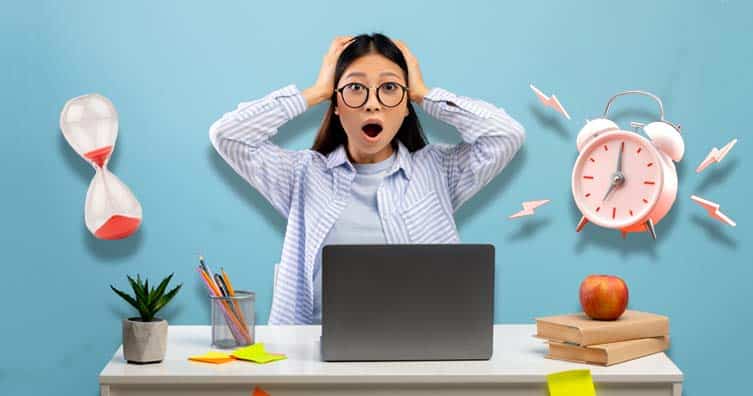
(145, 336)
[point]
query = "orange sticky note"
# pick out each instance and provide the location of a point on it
(259, 392)
(571, 383)
(212, 357)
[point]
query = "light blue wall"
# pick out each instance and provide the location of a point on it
(172, 68)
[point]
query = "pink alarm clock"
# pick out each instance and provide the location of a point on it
(621, 180)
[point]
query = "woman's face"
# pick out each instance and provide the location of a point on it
(371, 127)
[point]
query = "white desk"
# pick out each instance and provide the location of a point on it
(517, 367)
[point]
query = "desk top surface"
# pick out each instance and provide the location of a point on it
(518, 357)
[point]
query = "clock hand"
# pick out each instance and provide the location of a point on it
(611, 187)
(619, 158)
(617, 177)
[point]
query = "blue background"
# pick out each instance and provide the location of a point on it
(172, 68)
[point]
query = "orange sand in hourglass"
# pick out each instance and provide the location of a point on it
(99, 155)
(90, 125)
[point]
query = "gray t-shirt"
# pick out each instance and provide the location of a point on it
(359, 221)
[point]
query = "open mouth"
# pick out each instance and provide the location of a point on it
(372, 130)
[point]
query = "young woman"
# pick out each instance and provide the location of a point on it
(370, 176)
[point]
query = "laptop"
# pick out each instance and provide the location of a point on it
(407, 302)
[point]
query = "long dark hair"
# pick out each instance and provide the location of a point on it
(331, 133)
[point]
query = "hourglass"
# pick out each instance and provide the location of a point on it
(90, 125)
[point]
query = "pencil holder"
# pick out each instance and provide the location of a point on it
(233, 319)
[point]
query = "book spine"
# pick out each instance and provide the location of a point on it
(635, 350)
(608, 354)
(630, 331)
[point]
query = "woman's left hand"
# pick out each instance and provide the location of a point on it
(416, 87)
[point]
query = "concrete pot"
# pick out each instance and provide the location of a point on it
(144, 342)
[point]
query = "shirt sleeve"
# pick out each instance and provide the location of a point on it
(242, 138)
(490, 139)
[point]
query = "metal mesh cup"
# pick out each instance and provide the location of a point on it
(233, 319)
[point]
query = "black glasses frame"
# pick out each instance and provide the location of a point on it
(368, 92)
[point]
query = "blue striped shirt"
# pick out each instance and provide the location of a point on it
(416, 200)
(358, 223)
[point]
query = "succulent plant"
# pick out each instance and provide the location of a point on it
(148, 301)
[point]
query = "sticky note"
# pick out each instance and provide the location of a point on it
(212, 357)
(571, 383)
(259, 392)
(256, 353)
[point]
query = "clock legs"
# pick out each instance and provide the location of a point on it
(582, 223)
(651, 229)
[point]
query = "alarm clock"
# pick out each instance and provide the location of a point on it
(623, 180)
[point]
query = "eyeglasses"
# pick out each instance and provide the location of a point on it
(389, 94)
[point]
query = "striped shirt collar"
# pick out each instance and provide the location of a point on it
(339, 156)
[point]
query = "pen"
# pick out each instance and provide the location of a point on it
(228, 285)
(231, 291)
(221, 285)
(226, 293)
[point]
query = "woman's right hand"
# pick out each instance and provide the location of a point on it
(325, 82)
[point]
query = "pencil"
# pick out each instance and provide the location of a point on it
(232, 293)
(212, 280)
(212, 291)
(240, 332)
(234, 323)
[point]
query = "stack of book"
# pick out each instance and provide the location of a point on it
(578, 338)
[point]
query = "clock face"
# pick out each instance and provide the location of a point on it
(615, 199)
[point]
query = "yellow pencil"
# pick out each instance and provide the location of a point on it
(232, 294)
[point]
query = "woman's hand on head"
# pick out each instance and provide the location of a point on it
(416, 87)
(324, 86)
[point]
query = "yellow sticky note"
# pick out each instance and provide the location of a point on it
(212, 357)
(256, 353)
(571, 383)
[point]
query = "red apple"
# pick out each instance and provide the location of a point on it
(603, 297)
